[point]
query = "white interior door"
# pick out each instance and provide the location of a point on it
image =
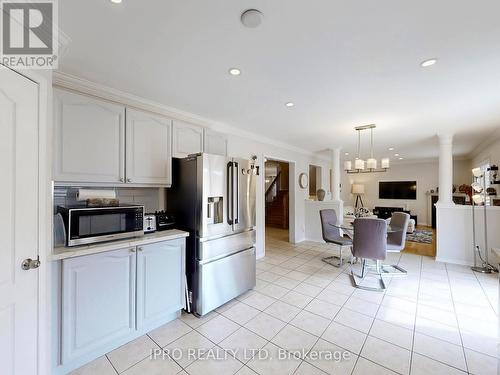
(18, 223)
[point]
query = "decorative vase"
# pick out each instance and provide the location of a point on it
(320, 194)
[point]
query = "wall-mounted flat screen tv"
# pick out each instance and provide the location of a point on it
(397, 190)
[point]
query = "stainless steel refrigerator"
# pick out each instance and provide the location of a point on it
(213, 198)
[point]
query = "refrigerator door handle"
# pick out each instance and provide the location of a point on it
(236, 183)
(230, 199)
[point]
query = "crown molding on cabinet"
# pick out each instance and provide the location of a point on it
(77, 84)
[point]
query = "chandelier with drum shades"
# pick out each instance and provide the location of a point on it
(370, 166)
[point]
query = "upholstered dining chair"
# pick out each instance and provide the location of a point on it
(396, 240)
(332, 235)
(370, 243)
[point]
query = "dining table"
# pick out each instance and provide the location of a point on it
(349, 228)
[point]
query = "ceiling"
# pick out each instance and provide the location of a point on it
(343, 64)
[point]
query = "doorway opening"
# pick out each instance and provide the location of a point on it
(277, 200)
(314, 180)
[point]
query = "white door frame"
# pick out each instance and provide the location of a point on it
(292, 193)
(44, 81)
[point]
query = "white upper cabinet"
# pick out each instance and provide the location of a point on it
(186, 139)
(149, 154)
(215, 142)
(89, 139)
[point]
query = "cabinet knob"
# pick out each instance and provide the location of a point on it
(121, 179)
(132, 250)
(129, 180)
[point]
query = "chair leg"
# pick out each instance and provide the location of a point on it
(393, 270)
(329, 260)
(358, 279)
(386, 270)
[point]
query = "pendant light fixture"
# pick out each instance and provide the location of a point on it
(371, 163)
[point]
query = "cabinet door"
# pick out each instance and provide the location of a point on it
(215, 143)
(149, 154)
(160, 281)
(186, 139)
(89, 139)
(98, 301)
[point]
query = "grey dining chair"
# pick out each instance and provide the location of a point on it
(370, 243)
(332, 235)
(396, 240)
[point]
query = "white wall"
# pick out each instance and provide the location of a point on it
(425, 173)
(313, 220)
(489, 150)
(455, 239)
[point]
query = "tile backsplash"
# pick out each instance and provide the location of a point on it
(150, 198)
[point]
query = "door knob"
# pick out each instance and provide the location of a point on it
(29, 264)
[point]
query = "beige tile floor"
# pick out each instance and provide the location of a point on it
(440, 319)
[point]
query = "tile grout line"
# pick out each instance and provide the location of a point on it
(111, 363)
(368, 333)
(331, 321)
(416, 315)
(456, 318)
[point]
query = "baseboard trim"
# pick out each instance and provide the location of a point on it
(454, 261)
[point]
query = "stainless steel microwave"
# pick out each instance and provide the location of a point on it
(99, 224)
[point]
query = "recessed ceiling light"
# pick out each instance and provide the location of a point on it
(289, 104)
(428, 62)
(400, 158)
(391, 148)
(116, 1)
(346, 154)
(396, 154)
(234, 71)
(252, 18)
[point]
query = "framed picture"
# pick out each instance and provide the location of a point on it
(495, 202)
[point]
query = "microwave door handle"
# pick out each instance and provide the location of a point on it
(229, 200)
(237, 195)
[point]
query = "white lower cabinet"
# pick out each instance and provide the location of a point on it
(113, 297)
(160, 281)
(98, 301)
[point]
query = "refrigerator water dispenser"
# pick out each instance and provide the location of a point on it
(215, 210)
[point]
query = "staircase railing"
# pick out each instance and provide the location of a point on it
(275, 182)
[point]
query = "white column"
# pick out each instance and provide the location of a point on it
(445, 169)
(336, 171)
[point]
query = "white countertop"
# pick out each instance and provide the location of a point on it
(63, 252)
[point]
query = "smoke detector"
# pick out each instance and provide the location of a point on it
(251, 18)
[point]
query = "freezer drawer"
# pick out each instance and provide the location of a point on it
(226, 245)
(224, 279)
